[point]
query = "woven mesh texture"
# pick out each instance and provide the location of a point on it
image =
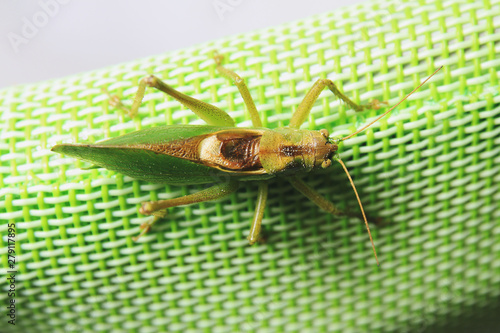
(430, 171)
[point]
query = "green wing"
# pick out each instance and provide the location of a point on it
(117, 154)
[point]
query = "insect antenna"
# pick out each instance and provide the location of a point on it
(392, 108)
(347, 172)
(360, 206)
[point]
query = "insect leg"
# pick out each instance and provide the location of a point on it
(158, 208)
(328, 206)
(321, 202)
(212, 115)
(242, 87)
(253, 236)
(209, 194)
(314, 196)
(116, 102)
(312, 95)
(146, 226)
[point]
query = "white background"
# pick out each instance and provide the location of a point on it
(44, 39)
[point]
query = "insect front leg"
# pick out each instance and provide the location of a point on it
(320, 201)
(242, 87)
(212, 115)
(254, 234)
(314, 196)
(307, 103)
(158, 208)
(328, 206)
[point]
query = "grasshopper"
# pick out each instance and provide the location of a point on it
(189, 154)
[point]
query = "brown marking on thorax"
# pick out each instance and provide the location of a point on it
(294, 150)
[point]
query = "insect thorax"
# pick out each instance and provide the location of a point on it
(291, 151)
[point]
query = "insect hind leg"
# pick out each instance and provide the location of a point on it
(116, 102)
(158, 208)
(211, 114)
(146, 226)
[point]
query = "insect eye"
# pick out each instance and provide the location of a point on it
(326, 164)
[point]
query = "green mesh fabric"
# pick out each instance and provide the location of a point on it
(429, 171)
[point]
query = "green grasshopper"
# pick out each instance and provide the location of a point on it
(222, 153)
